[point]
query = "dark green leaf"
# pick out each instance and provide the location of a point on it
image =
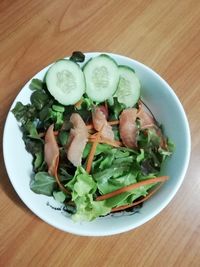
(36, 84)
(64, 175)
(77, 56)
(43, 184)
(33, 145)
(115, 109)
(86, 104)
(63, 137)
(23, 113)
(39, 157)
(39, 99)
(58, 108)
(30, 130)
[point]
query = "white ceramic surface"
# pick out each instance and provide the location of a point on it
(166, 107)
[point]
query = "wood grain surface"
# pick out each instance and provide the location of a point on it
(164, 35)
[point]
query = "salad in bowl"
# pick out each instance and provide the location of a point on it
(96, 146)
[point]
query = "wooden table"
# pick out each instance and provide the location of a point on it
(165, 35)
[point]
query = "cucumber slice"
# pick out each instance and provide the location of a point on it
(128, 91)
(102, 77)
(65, 82)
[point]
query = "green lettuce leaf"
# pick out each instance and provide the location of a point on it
(59, 196)
(43, 184)
(83, 188)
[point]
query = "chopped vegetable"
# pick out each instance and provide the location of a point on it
(102, 76)
(92, 152)
(66, 82)
(128, 90)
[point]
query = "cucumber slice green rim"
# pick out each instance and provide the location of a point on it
(65, 81)
(101, 76)
(128, 90)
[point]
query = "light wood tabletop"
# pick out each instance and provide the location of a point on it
(165, 35)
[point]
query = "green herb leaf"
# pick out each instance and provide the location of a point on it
(115, 109)
(77, 56)
(58, 108)
(23, 113)
(36, 84)
(59, 196)
(30, 130)
(63, 137)
(39, 158)
(39, 99)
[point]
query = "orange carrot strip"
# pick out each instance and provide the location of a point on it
(90, 126)
(78, 104)
(113, 143)
(92, 152)
(139, 201)
(132, 186)
(57, 178)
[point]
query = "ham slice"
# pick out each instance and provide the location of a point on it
(146, 120)
(99, 121)
(51, 151)
(77, 139)
(127, 127)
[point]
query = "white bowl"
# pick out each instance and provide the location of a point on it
(166, 107)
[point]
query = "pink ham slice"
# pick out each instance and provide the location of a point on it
(127, 127)
(51, 151)
(99, 121)
(146, 120)
(77, 139)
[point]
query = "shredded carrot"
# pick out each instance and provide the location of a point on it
(132, 186)
(92, 151)
(57, 178)
(111, 123)
(103, 140)
(150, 194)
(78, 104)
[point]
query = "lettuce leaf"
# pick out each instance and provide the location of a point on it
(128, 197)
(83, 188)
(43, 184)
